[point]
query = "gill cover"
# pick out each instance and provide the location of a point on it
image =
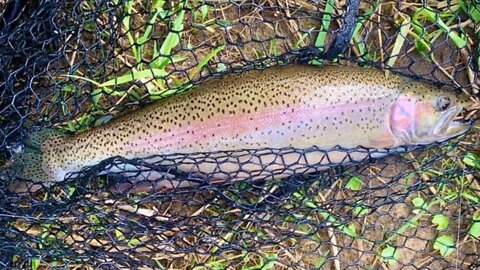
(417, 118)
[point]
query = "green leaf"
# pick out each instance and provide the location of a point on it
(311, 205)
(360, 211)
(441, 221)
(170, 42)
(389, 254)
(119, 235)
(133, 242)
(445, 245)
(422, 45)
(204, 11)
(70, 191)
(96, 95)
(68, 88)
(474, 12)
(349, 230)
(471, 160)
(270, 262)
(93, 219)
(157, 4)
(419, 204)
(224, 23)
(176, 59)
(216, 266)
(71, 127)
(466, 194)
(304, 228)
(321, 260)
(474, 230)
(35, 263)
(354, 183)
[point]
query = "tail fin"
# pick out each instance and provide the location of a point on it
(26, 164)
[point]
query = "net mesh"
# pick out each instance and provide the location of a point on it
(73, 65)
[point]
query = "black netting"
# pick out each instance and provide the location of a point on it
(73, 65)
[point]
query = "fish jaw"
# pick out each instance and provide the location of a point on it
(456, 128)
(447, 127)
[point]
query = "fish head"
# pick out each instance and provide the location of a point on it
(424, 114)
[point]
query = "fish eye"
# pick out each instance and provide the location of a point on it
(442, 103)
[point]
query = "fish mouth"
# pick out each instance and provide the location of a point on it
(449, 128)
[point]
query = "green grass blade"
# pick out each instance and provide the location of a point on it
(322, 34)
(171, 41)
(137, 75)
(302, 38)
(209, 56)
(83, 78)
(157, 8)
(399, 42)
(205, 60)
(126, 26)
(157, 5)
(358, 40)
(432, 16)
(326, 20)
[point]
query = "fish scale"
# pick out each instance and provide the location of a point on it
(285, 106)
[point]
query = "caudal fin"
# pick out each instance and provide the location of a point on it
(26, 166)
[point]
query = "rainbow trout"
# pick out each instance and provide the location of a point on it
(288, 106)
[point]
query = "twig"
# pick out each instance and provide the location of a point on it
(380, 39)
(470, 73)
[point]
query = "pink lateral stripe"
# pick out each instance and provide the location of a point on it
(232, 125)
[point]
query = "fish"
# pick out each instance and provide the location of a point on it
(281, 107)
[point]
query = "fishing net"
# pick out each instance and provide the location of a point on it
(72, 65)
